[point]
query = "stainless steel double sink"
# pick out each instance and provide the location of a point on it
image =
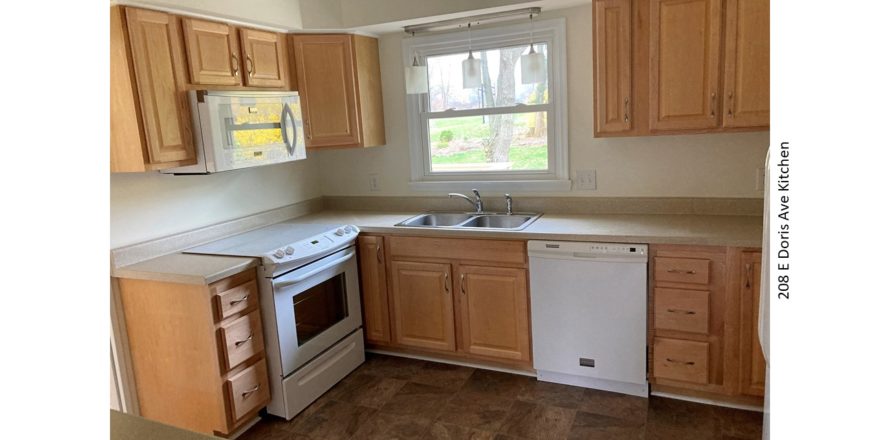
(483, 221)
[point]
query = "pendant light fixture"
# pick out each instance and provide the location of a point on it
(533, 65)
(470, 67)
(416, 76)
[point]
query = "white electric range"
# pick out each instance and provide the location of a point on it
(310, 303)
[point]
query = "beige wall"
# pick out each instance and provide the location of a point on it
(146, 206)
(283, 14)
(717, 165)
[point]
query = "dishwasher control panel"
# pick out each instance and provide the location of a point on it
(582, 248)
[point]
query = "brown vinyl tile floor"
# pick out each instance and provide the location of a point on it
(397, 398)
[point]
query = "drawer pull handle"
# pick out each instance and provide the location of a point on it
(686, 312)
(679, 362)
(689, 272)
(238, 343)
(240, 300)
(250, 391)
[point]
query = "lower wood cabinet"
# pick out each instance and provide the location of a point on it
(374, 289)
(197, 351)
(422, 303)
(461, 298)
(752, 363)
(703, 322)
(494, 312)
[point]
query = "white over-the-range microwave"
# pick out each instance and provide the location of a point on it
(235, 130)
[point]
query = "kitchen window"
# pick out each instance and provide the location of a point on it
(503, 134)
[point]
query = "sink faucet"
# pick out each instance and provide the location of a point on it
(509, 203)
(477, 202)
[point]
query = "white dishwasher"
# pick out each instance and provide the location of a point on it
(589, 314)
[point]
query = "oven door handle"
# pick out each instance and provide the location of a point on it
(309, 274)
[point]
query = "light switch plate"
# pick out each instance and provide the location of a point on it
(759, 179)
(585, 179)
(374, 182)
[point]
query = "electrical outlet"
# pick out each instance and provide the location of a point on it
(585, 179)
(374, 182)
(759, 179)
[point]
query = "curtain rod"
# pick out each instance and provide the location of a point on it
(473, 20)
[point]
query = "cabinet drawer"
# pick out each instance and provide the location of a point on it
(241, 339)
(237, 299)
(487, 251)
(681, 270)
(687, 361)
(682, 310)
(248, 390)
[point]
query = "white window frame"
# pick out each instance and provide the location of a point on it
(556, 178)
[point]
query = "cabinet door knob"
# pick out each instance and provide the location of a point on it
(243, 341)
(446, 281)
(250, 391)
(234, 66)
(748, 276)
(730, 105)
(240, 300)
(461, 284)
(713, 106)
(379, 253)
(250, 65)
(626, 109)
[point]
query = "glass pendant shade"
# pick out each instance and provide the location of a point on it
(470, 72)
(534, 67)
(416, 78)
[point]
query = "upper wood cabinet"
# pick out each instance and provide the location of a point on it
(687, 66)
(374, 289)
(150, 121)
(221, 54)
(685, 49)
(212, 52)
(340, 88)
(747, 64)
(612, 65)
(265, 58)
(494, 312)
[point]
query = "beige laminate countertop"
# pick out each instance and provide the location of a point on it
(716, 230)
(128, 427)
(186, 268)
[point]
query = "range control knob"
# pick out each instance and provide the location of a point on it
(340, 232)
(288, 250)
(348, 229)
(279, 253)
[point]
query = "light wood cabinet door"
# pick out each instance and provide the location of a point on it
(212, 52)
(158, 62)
(752, 362)
(747, 63)
(494, 312)
(265, 58)
(612, 65)
(685, 47)
(422, 305)
(374, 290)
(327, 88)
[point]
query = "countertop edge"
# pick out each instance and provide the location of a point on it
(182, 278)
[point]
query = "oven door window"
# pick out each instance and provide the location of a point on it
(319, 308)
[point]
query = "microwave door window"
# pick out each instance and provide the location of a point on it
(252, 130)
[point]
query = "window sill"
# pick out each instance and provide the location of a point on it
(491, 185)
